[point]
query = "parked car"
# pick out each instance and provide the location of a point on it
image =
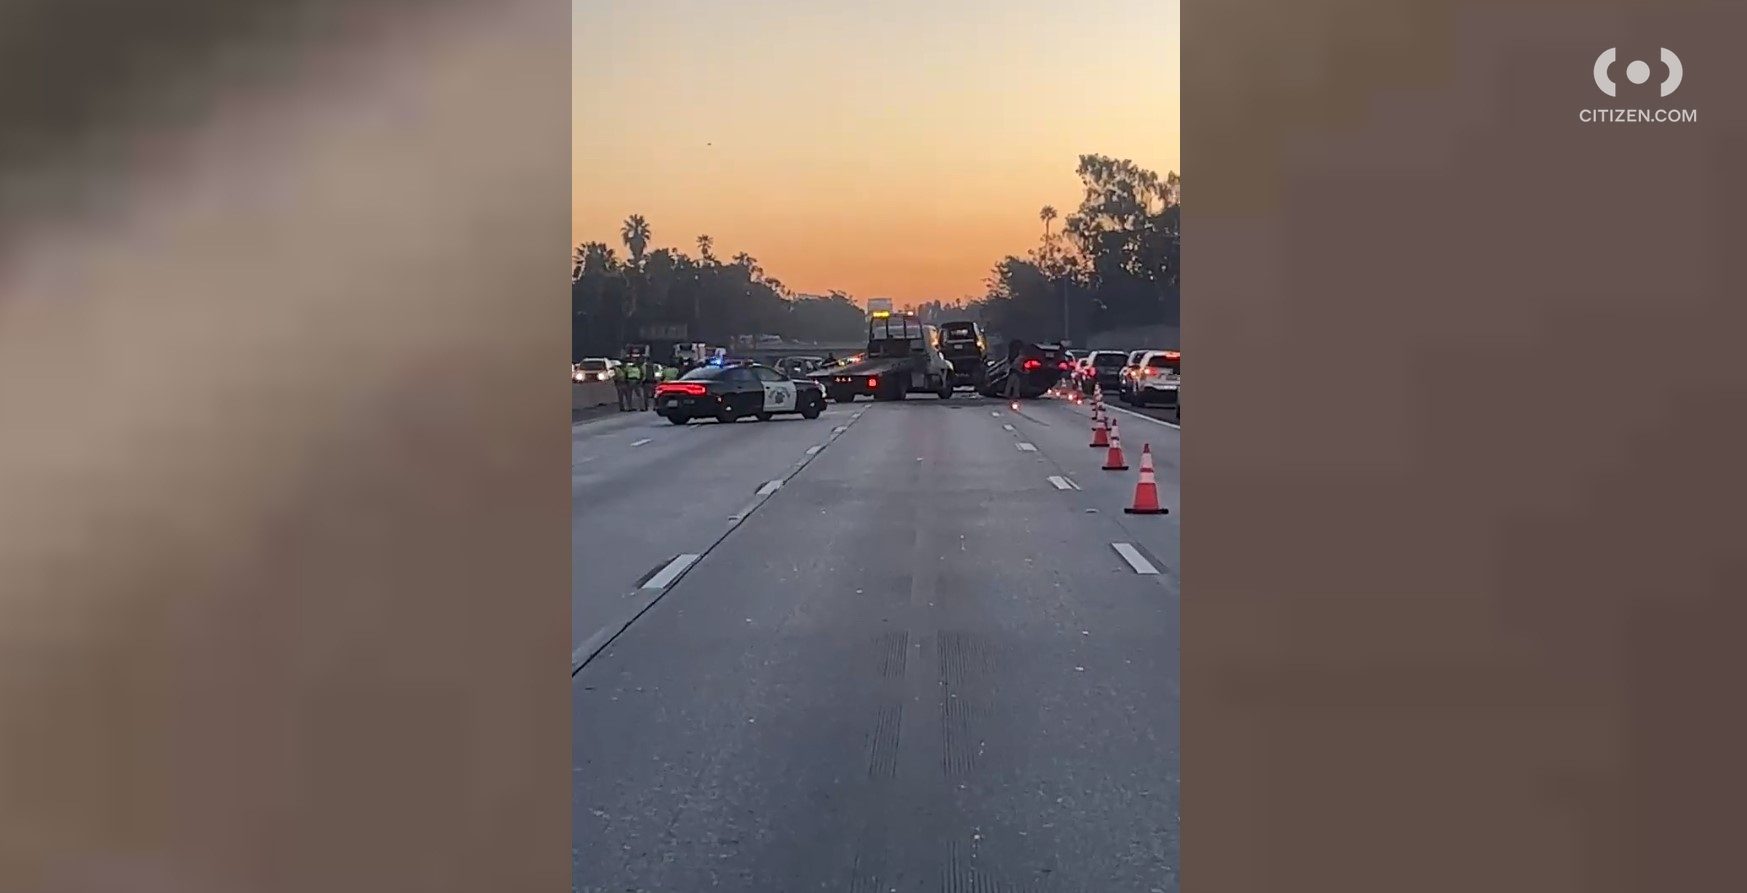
(1157, 378)
(799, 367)
(593, 369)
(1129, 366)
(1102, 368)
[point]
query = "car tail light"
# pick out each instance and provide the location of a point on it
(688, 388)
(1066, 365)
(873, 380)
(1032, 364)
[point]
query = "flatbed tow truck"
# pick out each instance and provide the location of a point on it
(903, 355)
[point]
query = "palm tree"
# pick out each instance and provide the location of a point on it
(636, 235)
(1047, 215)
(705, 246)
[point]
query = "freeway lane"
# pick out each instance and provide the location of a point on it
(919, 666)
(1063, 432)
(643, 491)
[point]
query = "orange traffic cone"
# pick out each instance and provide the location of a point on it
(1100, 436)
(1146, 492)
(1113, 461)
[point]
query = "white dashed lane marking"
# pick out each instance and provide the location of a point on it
(813, 450)
(769, 488)
(1062, 483)
(665, 577)
(1135, 560)
(640, 442)
(1026, 447)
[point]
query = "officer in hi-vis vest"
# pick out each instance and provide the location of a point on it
(622, 386)
(651, 377)
(633, 367)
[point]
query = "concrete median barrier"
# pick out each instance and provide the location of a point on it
(587, 397)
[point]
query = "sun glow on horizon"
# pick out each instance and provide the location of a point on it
(895, 152)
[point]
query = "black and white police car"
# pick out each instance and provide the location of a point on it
(731, 393)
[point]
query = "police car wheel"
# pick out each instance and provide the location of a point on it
(678, 419)
(813, 408)
(727, 415)
(763, 416)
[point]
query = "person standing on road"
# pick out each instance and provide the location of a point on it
(633, 382)
(651, 376)
(1014, 349)
(622, 385)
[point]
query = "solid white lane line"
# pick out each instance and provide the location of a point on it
(1026, 447)
(1144, 416)
(1135, 560)
(1062, 483)
(769, 488)
(665, 577)
(640, 442)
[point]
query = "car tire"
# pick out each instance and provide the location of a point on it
(678, 419)
(728, 415)
(813, 408)
(762, 416)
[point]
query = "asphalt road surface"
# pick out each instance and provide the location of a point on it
(937, 657)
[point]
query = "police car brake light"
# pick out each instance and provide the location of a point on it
(688, 388)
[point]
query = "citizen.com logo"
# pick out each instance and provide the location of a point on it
(1638, 72)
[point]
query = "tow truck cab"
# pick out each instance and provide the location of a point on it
(903, 355)
(963, 345)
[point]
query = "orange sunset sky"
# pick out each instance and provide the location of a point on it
(886, 148)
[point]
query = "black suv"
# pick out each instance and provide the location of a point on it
(1104, 367)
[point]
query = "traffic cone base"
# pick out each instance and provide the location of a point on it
(1146, 490)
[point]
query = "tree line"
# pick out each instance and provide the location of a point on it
(1114, 262)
